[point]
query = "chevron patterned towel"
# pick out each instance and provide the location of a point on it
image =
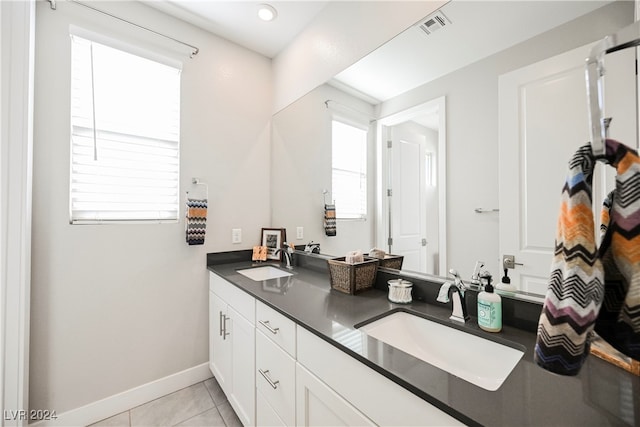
(330, 220)
(584, 277)
(196, 223)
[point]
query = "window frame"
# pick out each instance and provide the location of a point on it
(349, 120)
(172, 143)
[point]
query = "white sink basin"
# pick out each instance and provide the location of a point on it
(477, 360)
(264, 273)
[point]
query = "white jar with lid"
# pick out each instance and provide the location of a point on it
(400, 291)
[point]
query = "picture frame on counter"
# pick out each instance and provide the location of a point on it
(273, 238)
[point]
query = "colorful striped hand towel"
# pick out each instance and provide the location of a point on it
(583, 276)
(330, 220)
(196, 221)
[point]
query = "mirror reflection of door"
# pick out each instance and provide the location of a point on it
(413, 203)
(543, 120)
(414, 174)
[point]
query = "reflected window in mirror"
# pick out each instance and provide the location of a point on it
(430, 169)
(349, 168)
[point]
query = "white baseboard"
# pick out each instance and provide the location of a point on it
(113, 405)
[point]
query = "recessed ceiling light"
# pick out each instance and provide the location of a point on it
(266, 12)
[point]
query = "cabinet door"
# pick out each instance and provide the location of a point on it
(318, 405)
(265, 414)
(219, 343)
(242, 339)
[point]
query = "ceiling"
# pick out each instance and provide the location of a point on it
(238, 21)
(476, 30)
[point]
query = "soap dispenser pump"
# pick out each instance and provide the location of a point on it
(505, 283)
(489, 307)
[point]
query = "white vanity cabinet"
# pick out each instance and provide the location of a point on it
(275, 367)
(232, 345)
(355, 393)
(277, 373)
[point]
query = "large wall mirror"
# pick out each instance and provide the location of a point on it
(433, 92)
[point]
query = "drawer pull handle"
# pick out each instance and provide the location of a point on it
(265, 375)
(221, 321)
(223, 326)
(266, 324)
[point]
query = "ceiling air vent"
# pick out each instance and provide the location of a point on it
(434, 22)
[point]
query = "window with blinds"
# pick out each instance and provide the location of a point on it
(349, 170)
(125, 136)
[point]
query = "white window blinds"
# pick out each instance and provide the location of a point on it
(349, 173)
(125, 136)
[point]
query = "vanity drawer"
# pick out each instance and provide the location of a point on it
(277, 327)
(276, 378)
(241, 301)
(265, 414)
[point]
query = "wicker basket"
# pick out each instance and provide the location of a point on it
(352, 278)
(392, 261)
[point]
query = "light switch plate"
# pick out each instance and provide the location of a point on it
(299, 232)
(236, 235)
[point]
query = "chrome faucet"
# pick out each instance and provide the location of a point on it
(288, 253)
(475, 277)
(459, 313)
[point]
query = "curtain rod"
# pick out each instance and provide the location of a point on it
(194, 50)
(348, 107)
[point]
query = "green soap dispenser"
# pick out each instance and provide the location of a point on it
(489, 307)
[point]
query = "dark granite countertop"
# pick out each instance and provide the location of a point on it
(601, 395)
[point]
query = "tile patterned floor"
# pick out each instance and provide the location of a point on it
(202, 404)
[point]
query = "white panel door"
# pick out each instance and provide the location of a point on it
(543, 120)
(408, 200)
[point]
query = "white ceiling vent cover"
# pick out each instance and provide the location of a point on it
(434, 22)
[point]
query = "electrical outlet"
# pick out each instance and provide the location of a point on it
(236, 235)
(299, 233)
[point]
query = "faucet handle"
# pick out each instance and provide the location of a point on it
(475, 276)
(443, 294)
(457, 280)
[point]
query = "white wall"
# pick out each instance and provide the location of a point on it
(341, 34)
(301, 169)
(472, 131)
(117, 306)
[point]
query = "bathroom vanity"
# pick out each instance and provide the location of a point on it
(300, 356)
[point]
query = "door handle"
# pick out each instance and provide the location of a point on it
(266, 324)
(509, 261)
(265, 375)
(424, 242)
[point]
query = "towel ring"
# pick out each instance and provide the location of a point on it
(195, 182)
(324, 196)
